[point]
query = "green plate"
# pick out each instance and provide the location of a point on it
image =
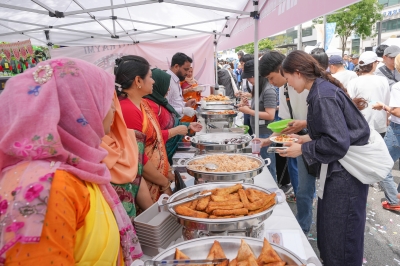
(278, 126)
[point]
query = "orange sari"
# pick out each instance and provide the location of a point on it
(190, 95)
(154, 148)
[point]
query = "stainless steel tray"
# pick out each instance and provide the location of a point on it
(217, 107)
(219, 103)
(199, 249)
(208, 115)
(225, 176)
(231, 224)
(215, 141)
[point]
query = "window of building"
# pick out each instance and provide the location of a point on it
(307, 32)
(390, 25)
(355, 46)
(389, 2)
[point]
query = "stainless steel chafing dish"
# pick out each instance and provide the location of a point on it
(215, 176)
(219, 103)
(218, 107)
(216, 142)
(209, 115)
(252, 226)
(199, 249)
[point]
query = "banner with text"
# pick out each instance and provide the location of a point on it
(200, 49)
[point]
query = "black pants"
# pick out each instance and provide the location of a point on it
(282, 173)
(341, 220)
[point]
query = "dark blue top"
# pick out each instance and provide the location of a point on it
(334, 123)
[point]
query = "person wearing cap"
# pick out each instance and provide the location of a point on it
(354, 60)
(373, 89)
(347, 64)
(388, 70)
(379, 52)
(392, 140)
(267, 108)
(339, 72)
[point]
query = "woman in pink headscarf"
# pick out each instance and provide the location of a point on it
(57, 206)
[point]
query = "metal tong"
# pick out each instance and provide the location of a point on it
(182, 262)
(188, 198)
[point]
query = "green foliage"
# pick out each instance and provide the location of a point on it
(262, 44)
(358, 18)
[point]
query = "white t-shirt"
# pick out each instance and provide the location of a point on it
(373, 89)
(297, 101)
(395, 101)
(345, 76)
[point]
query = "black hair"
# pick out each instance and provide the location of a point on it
(381, 49)
(365, 69)
(180, 59)
(320, 55)
(270, 62)
(246, 57)
(126, 69)
(240, 53)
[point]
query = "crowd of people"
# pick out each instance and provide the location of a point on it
(82, 150)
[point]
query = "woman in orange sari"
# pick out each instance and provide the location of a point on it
(133, 80)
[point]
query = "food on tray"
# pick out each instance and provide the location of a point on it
(284, 138)
(225, 163)
(226, 112)
(216, 98)
(228, 202)
(245, 256)
(236, 140)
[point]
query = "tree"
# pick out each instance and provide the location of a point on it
(262, 44)
(281, 40)
(358, 19)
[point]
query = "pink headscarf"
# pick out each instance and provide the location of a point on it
(52, 117)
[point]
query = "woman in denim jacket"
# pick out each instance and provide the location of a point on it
(334, 123)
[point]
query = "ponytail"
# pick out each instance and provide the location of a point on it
(299, 61)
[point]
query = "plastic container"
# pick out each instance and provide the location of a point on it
(278, 126)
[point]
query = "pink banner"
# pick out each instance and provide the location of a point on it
(159, 54)
(277, 16)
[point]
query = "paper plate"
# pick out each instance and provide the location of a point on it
(273, 139)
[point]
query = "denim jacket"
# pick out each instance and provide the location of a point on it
(334, 123)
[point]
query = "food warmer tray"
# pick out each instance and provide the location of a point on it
(207, 115)
(224, 176)
(199, 249)
(218, 107)
(219, 103)
(215, 141)
(239, 225)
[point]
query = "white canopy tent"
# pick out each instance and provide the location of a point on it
(107, 22)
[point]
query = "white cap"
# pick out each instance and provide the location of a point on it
(346, 53)
(368, 57)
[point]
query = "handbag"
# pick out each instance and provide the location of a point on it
(179, 183)
(311, 169)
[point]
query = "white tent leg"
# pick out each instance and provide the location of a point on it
(256, 76)
(216, 59)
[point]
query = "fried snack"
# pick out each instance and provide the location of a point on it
(229, 197)
(257, 204)
(280, 263)
(203, 203)
(269, 203)
(194, 204)
(252, 195)
(242, 211)
(224, 217)
(244, 252)
(243, 197)
(268, 254)
(181, 210)
(216, 252)
(243, 263)
(179, 255)
(223, 203)
(186, 204)
(233, 262)
(228, 190)
(232, 206)
(252, 261)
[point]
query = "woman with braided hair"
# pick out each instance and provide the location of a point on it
(334, 122)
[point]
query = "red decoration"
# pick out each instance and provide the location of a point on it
(1, 68)
(10, 67)
(19, 66)
(33, 61)
(26, 64)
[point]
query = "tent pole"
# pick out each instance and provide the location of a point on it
(256, 76)
(216, 59)
(112, 14)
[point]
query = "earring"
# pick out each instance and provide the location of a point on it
(139, 87)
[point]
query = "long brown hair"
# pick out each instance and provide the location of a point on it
(308, 67)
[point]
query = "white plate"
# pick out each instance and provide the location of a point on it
(282, 142)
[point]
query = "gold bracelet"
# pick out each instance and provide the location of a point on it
(164, 189)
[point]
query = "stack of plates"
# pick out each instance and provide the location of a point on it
(156, 230)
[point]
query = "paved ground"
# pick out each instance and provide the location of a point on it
(382, 230)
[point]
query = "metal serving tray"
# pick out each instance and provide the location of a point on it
(233, 225)
(215, 141)
(218, 107)
(199, 249)
(219, 103)
(225, 176)
(207, 115)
